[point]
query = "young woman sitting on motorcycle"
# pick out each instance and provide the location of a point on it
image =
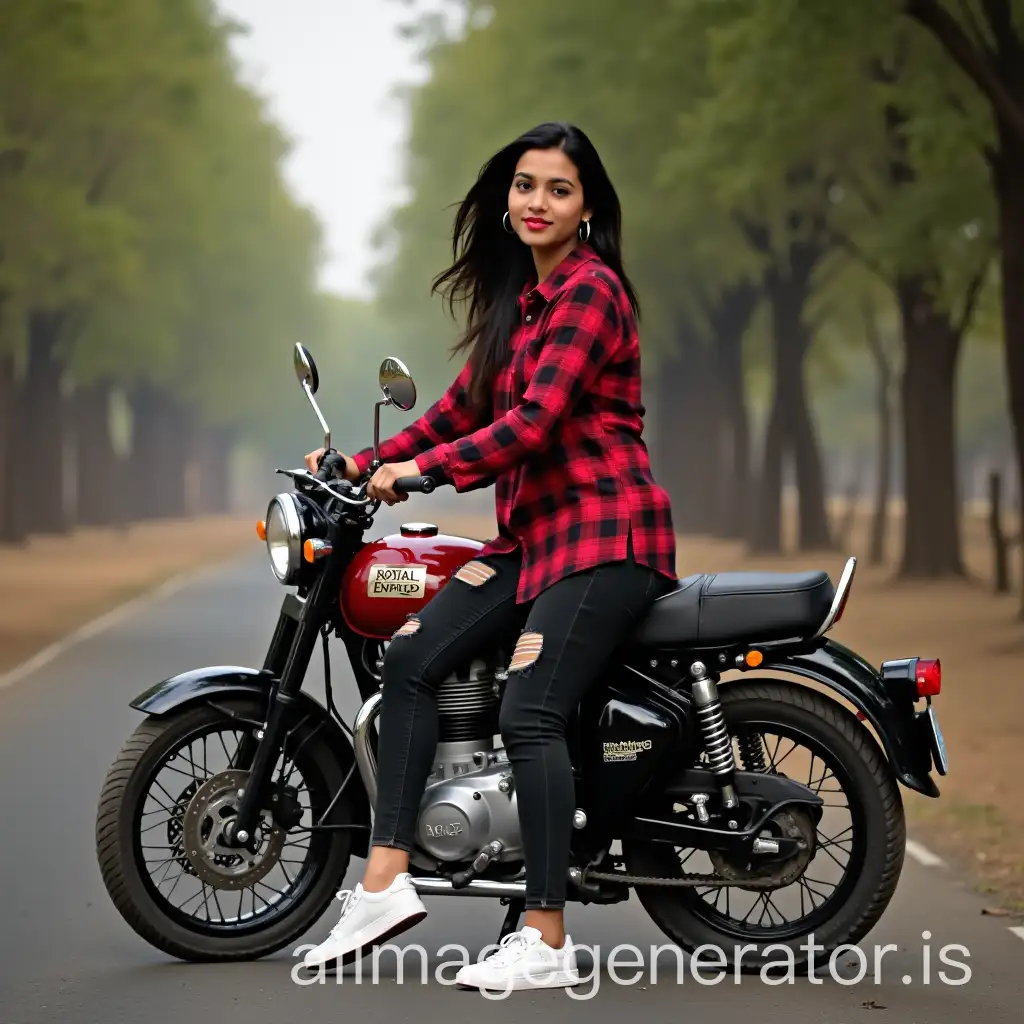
(548, 408)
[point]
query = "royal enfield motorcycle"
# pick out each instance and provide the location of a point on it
(735, 767)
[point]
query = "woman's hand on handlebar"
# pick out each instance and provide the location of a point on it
(313, 464)
(382, 482)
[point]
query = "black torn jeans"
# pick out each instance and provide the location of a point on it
(566, 636)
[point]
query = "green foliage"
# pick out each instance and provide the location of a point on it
(141, 193)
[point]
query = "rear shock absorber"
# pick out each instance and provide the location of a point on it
(717, 741)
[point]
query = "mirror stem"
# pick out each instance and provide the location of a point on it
(376, 432)
(319, 416)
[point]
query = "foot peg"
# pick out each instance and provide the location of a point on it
(462, 878)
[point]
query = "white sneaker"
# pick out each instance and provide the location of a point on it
(523, 961)
(369, 918)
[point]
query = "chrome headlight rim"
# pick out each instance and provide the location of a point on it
(292, 521)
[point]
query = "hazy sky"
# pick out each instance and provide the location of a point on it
(327, 68)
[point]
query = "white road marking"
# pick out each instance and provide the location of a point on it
(922, 854)
(1018, 931)
(104, 622)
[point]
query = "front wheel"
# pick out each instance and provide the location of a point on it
(833, 898)
(159, 832)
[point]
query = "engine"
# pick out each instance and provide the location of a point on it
(470, 798)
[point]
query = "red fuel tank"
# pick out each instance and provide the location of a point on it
(398, 574)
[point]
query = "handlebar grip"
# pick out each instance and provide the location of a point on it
(331, 460)
(413, 484)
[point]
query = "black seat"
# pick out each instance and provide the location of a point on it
(730, 607)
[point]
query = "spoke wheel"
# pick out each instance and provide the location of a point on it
(836, 890)
(164, 811)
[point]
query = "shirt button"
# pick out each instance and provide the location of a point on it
(529, 318)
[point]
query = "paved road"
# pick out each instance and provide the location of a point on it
(65, 955)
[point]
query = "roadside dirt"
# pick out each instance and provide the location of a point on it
(53, 585)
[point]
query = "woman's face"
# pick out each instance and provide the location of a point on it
(545, 202)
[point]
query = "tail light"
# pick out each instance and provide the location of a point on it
(928, 676)
(912, 678)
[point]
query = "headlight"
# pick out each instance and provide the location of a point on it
(284, 538)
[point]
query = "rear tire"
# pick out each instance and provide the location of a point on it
(133, 892)
(881, 844)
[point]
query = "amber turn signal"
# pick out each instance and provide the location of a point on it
(261, 530)
(753, 659)
(314, 549)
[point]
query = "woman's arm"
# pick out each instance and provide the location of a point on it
(583, 334)
(452, 416)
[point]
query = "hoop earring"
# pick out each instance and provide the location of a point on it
(586, 224)
(507, 226)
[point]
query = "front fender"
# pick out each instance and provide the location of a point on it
(219, 680)
(844, 671)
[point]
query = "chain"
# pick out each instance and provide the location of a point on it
(685, 881)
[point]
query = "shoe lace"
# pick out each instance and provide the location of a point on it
(348, 898)
(508, 949)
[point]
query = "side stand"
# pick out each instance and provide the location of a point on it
(516, 906)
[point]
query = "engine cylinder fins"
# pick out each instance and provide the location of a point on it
(467, 705)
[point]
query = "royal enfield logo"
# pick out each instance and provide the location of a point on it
(397, 581)
(454, 829)
(625, 750)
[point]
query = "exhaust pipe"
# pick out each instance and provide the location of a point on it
(478, 887)
(365, 760)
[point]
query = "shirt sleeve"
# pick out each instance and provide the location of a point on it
(450, 417)
(582, 335)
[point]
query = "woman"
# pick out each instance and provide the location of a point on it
(548, 408)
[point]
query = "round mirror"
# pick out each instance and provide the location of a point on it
(397, 384)
(305, 368)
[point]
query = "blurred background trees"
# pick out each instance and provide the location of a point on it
(823, 210)
(819, 213)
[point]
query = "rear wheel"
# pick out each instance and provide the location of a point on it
(159, 836)
(832, 895)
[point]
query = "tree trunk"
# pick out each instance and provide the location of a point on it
(12, 505)
(43, 418)
(880, 515)
(1008, 176)
(790, 427)
(158, 455)
(729, 324)
(688, 429)
(96, 461)
(214, 450)
(883, 409)
(931, 527)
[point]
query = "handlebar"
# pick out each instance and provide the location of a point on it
(414, 484)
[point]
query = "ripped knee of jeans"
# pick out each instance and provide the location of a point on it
(410, 626)
(526, 652)
(475, 573)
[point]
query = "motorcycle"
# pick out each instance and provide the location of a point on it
(727, 728)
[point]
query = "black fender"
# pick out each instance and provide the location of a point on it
(893, 719)
(213, 681)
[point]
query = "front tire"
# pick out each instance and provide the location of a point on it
(125, 831)
(876, 850)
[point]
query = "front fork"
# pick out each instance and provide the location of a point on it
(287, 659)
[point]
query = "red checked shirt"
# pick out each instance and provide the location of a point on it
(563, 441)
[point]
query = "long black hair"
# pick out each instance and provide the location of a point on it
(494, 265)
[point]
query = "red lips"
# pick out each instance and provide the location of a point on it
(536, 224)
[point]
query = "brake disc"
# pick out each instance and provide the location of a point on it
(791, 824)
(213, 861)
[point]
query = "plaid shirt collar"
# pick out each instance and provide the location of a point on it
(559, 277)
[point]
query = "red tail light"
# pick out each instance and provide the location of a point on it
(929, 677)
